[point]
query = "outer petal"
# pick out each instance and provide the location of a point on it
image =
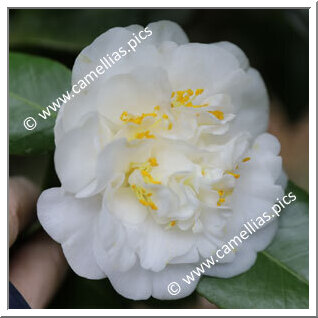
(172, 273)
(73, 112)
(167, 31)
(106, 43)
(236, 51)
(135, 283)
(244, 260)
(71, 222)
(113, 250)
(249, 99)
(138, 283)
(104, 47)
(76, 154)
(200, 66)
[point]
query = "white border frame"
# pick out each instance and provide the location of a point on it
(312, 160)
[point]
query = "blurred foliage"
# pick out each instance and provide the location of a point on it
(275, 40)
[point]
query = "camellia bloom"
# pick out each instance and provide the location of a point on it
(161, 161)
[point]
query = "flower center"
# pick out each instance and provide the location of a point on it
(145, 169)
(190, 190)
(143, 196)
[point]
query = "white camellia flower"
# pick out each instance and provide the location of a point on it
(161, 160)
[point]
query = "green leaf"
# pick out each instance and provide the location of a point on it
(34, 83)
(279, 278)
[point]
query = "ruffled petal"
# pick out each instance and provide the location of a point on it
(173, 273)
(72, 222)
(135, 283)
(200, 66)
(156, 246)
(166, 31)
(236, 51)
(76, 154)
(134, 93)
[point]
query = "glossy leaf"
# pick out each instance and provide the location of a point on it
(34, 83)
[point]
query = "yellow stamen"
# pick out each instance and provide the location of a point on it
(221, 200)
(235, 175)
(172, 223)
(145, 169)
(148, 177)
(143, 196)
(217, 113)
(153, 206)
(246, 159)
(182, 98)
(221, 197)
(199, 91)
(221, 193)
(195, 106)
(146, 134)
(153, 162)
(128, 118)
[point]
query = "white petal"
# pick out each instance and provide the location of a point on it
(135, 283)
(112, 247)
(134, 92)
(101, 53)
(244, 260)
(267, 143)
(114, 160)
(107, 42)
(71, 222)
(236, 51)
(249, 99)
(138, 283)
(126, 207)
(200, 66)
(76, 154)
(173, 273)
(167, 31)
(156, 246)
